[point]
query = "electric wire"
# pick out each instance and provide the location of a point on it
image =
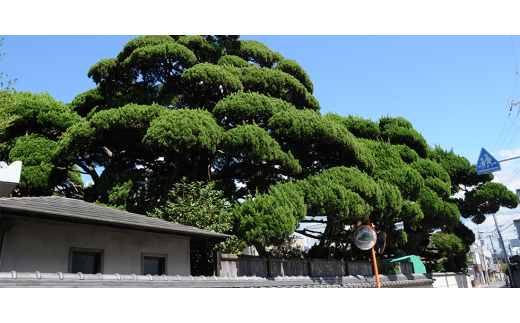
(506, 134)
(514, 134)
(510, 175)
(509, 115)
(516, 78)
(500, 134)
(516, 65)
(507, 221)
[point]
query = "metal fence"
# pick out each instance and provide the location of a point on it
(241, 265)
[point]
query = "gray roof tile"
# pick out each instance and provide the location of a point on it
(36, 279)
(67, 209)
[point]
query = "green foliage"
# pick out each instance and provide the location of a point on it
(88, 101)
(256, 52)
(249, 108)
(399, 131)
(390, 203)
(359, 127)
(270, 217)
(180, 130)
(401, 238)
(216, 109)
(393, 169)
(486, 198)
(208, 82)
(278, 84)
(387, 268)
(36, 153)
(292, 68)
(141, 57)
(504, 268)
(338, 147)
(196, 204)
(464, 233)
(256, 144)
(342, 193)
(199, 205)
(40, 113)
(233, 60)
(447, 241)
(33, 139)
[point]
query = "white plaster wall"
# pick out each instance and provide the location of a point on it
(44, 246)
(451, 280)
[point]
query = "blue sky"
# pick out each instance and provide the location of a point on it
(455, 90)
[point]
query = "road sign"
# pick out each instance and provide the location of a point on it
(487, 163)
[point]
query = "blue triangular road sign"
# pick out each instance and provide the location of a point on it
(487, 163)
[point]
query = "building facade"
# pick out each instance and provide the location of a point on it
(55, 234)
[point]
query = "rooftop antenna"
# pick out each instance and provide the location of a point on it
(9, 177)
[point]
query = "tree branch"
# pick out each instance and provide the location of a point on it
(302, 232)
(72, 170)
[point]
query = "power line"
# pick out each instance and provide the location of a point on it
(500, 134)
(507, 132)
(513, 103)
(516, 66)
(513, 135)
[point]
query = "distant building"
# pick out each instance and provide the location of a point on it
(517, 226)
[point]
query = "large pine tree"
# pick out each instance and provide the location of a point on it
(233, 112)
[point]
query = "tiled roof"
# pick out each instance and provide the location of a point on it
(37, 279)
(72, 210)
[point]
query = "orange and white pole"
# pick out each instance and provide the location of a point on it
(376, 272)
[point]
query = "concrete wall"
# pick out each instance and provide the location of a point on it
(451, 280)
(38, 245)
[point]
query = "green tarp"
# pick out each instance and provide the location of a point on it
(418, 266)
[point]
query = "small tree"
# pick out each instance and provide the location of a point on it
(199, 205)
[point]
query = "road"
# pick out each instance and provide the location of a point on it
(499, 284)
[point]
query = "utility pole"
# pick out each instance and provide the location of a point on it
(505, 253)
(486, 280)
(494, 254)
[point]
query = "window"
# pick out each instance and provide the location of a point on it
(86, 261)
(152, 264)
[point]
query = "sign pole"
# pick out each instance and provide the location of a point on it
(376, 273)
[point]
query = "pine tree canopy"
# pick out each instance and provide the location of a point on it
(233, 113)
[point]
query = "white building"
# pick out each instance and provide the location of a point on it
(55, 234)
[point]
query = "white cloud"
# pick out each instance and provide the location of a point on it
(508, 153)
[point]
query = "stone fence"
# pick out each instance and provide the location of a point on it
(241, 265)
(36, 279)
